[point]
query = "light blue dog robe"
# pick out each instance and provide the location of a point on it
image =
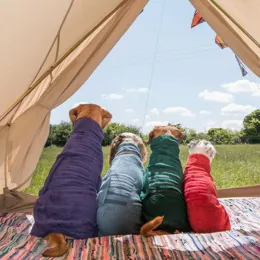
(119, 205)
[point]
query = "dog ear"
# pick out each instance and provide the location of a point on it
(113, 148)
(106, 117)
(143, 151)
(192, 143)
(150, 137)
(73, 114)
(180, 136)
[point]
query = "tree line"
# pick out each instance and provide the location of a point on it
(250, 133)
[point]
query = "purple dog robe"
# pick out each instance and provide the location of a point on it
(67, 203)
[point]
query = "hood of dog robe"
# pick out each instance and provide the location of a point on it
(165, 158)
(67, 203)
(123, 175)
(201, 198)
(163, 185)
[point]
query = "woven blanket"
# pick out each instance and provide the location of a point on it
(242, 242)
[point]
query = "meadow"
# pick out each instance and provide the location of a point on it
(234, 165)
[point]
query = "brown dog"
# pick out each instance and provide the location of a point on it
(148, 229)
(57, 240)
(165, 130)
(95, 112)
(127, 137)
(119, 205)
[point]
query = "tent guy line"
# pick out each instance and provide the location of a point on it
(153, 63)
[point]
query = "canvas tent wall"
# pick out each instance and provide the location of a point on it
(50, 48)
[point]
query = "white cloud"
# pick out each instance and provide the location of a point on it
(235, 109)
(234, 125)
(156, 123)
(211, 124)
(135, 120)
(112, 96)
(129, 110)
(205, 112)
(216, 96)
(179, 110)
(147, 117)
(142, 90)
(155, 111)
(136, 90)
(243, 86)
(150, 124)
(80, 103)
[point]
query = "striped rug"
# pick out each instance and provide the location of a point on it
(242, 242)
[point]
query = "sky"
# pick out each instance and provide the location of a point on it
(188, 78)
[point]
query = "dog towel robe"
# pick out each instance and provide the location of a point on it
(120, 208)
(67, 202)
(162, 193)
(205, 213)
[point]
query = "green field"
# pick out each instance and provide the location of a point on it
(234, 165)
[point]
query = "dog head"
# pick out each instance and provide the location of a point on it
(165, 130)
(127, 137)
(94, 112)
(202, 147)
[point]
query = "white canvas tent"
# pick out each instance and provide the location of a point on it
(50, 48)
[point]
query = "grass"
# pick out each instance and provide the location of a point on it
(234, 165)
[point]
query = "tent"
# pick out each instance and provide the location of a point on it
(50, 48)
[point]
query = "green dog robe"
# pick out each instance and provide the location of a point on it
(162, 193)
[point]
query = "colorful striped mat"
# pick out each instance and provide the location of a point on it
(242, 242)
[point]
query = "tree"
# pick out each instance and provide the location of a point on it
(252, 127)
(51, 138)
(59, 134)
(63, 131)
(235, 137)
(114, 129)
(189, 134)
(203, 136)
(219, 136)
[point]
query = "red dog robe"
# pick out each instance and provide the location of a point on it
(205, 213)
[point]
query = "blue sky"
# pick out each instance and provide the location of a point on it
(194, 82)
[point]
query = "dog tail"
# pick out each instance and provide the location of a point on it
(58, 245)
(148, 228)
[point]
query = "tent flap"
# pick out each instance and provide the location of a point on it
(237, 23)
(23, 131)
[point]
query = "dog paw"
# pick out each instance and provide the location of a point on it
(202, 147)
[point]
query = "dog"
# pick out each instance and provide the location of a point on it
(119, 205)
(164, 209)
(67, 203)
(205, 213)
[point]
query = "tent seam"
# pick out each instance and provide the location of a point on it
(56, 36)
(235, 22)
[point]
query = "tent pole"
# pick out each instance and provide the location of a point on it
(6, 155)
